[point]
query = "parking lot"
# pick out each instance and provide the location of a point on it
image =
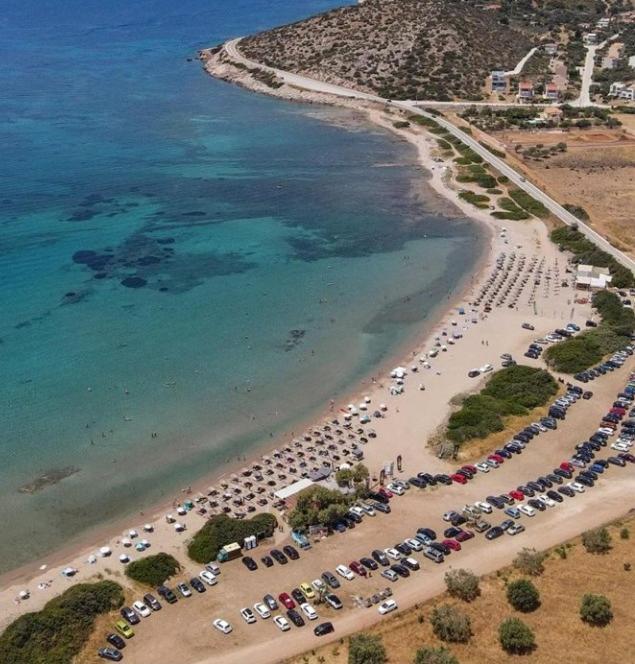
(190, 619)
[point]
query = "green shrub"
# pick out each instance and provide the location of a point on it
(515, 637)
(450, 624)
(523, 595)
(625, 533)
(530, 561)
(597, 541)
(527, 202)
(596, 610)
(153, 570)
(463, 584)
(57, 633)
(435, 656)
(366, 649)
(221, 530)
(318, 505)
(401, 124)
(479, 200)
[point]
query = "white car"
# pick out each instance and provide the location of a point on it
(483, 467)
(357, 511)
(483, 506)
(387, 606)
(547, 501)
(576, 486)
(515, 529)
(486, 368)
(396, 488)
(208, 577)
(213, 568)
(141, 609)
(344, 571)
(262, 610)
(539, 425)
(248, 615)
(368, 509)
(527, 510)
(222, 626)
(392, 553)
(492, 463)
(414, 544)
(281, 623)
(621, 447)
(608, 431)
(309, 611)
(319, 585)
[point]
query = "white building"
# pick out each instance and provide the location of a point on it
(622, 91)
(589, 277)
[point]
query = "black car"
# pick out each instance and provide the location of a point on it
(131, 616)
(267, 561)
(549, 422)
(380, 557)
(369, 563)
(585, 480)
(554, 478)
(428, 532)
(197, 584)
(428, 478)
(152, 602)
(348, 521)
(545, 482)
(111, 654)
(418, 482)
(616, 461)
(402, 570)
(554, 495)
(441, 548)
(323, 628)
(562, 473)
(494, 501)
(249, 563)
(537, 504)
(451, 532)
(167, 594)
(380, 498)
(330, 580)
(295, 618)
(591, 474)
(443, 479)
(534, 485)
(116, 641)
(504, 453)
(458, 520)
(403, 548)
(566, 491)
(494, 532)
(298, 596)
(278, 556)
(270, 602)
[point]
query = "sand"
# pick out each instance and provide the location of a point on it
(412, 419)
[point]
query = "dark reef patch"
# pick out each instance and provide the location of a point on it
(82, 215)
(133, 282)
(194, 213)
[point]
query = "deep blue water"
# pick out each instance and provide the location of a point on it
(162, 235)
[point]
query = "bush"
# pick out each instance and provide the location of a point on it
(57, 633)
(596, 610)
(514, 390)
(525, 201)
(153, 570)
(523, 595)
(597, 541)
(530, 562)
(450, 624)
(515, 637)
(463, 584)
(435, 656)
(221, 530)
(366, 649)
(320, 506)
(625, 533)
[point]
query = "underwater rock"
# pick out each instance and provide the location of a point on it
(133, 282)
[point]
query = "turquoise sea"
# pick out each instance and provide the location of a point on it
(186, 268)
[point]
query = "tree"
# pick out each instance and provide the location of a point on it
(596, 610)
(515, 637)
(530, 561)
(360, 473)
(450, 624)
(344, 477)
(153, 570)
(463, 584)
(366, 649)
(597, 541)
(523, 595)
(435, 656)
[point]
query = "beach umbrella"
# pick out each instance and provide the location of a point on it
(125, 541)
(383, 406)
(148, 527)
(169, 518)
(24, 594)
(105, 551)
(123, 558)
(140, 547)
(180, 510)
(92, 559)
(43, 567)
(69, 571)
(179, 527)
(132, 534)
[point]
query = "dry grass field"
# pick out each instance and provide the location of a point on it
(560, 633)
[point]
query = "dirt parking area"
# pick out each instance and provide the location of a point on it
(186, 627)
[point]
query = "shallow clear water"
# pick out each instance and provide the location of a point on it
(182, 257)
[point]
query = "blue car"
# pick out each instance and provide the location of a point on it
(514, 512)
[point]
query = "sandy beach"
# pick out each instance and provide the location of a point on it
(417, 405)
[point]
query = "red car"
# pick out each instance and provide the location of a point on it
(565, 465)
(286, 601)
(385, 493)
(516, 495)
(470, 468)
(497, 457)
(358, 568)
(464, 536)
(458, 478)
(451, 544)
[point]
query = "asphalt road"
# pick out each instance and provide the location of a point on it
(313, 85)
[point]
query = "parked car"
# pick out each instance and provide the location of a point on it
(387, 606)
(323, 628)
(111, 654)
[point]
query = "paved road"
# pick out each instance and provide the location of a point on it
(519, 67)
(584, 98)
(306, 83)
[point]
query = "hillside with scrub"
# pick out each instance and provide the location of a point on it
(399, 49)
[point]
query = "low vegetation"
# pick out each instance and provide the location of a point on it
(478, 200)
(515, 637)
(528, 203)
(153, 570)
(591, 346)
(530, 562)
(449, 624)
(523, 595)
(597, 541)
(586, 252)
(366, 649)
(57, 633)
(596, 610)
(463, 584)
(221, 530)
(435, 656)
(515, 390)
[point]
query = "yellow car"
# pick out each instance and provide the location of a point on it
(309, 593)
(124, 629)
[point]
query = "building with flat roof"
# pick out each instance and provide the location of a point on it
(589, 277)
(498, 81)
